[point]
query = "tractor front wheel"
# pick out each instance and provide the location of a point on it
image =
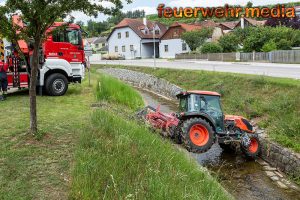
(197, 135)
(253, 150)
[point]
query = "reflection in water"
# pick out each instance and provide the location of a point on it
(244, 179)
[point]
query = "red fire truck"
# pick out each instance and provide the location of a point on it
(61, 59)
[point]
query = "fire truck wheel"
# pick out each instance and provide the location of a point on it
(56, 85)
(197, 135)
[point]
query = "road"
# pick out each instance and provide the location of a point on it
(267, 69)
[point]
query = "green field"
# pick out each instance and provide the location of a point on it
(93, 152)
(274, 103)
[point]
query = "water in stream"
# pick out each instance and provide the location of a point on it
(242, 178)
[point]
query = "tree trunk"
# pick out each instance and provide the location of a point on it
(32, 87)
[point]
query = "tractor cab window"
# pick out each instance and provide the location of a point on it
(194, 103)
(210, 104)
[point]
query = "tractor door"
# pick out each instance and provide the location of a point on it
(211, 106)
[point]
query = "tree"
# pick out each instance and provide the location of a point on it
(196, 38)
(229, 42)
(39, 15)
(211, 47)
(288, 22)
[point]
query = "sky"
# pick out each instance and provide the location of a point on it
(150, 5)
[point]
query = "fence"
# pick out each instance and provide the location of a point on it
(282, 56)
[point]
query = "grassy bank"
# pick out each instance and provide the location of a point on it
(39, 167)
(272, 102)
(120, 159)
(87, 153)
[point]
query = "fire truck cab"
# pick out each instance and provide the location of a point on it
(61, 60)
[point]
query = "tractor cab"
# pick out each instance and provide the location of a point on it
(204, 104)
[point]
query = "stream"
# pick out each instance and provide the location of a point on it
(242, 178)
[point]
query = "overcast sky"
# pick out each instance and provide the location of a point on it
(150, 5)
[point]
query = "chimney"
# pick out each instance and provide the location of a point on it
(242, 22)
(145, 21)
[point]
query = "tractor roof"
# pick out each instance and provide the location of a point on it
(201, 92)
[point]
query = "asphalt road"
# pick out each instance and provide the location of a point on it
(267, 69)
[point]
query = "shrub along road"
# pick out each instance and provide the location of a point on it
(91, 153)
(267, 69)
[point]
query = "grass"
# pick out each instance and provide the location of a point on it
(85, 153)
(39, 167)
(113, 90)
(120, 159)
(272, 102)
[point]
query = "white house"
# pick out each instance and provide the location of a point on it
(132, 39)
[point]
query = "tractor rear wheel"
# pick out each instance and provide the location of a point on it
(254, 148)
(198, 135)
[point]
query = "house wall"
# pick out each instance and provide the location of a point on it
(174, 46)
(133, 39)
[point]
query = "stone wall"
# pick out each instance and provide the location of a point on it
(282, 158)
(145, 81)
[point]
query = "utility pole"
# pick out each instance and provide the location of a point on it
(154, 49)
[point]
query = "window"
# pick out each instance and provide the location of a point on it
(71, 36)
(103, 44)
(166, 48)
(116, 49)
(156, 32)
(131, 48)
(97, 45)
(119, 35)
(184, 47)
(123, 49)
(127, 34)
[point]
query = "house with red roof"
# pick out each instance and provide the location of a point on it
(171, 42)
(135, 38)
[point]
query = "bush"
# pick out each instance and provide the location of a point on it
(211, 47)
(283, 44)
(269, 46)
(254, 38)
(229, 43)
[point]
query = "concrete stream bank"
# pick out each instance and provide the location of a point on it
(243, 179)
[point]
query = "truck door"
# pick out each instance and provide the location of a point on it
(72, 49)
(67, 45)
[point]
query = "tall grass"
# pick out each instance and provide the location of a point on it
(114, 91)
(121, 160)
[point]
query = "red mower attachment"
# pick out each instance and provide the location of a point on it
(158, 120)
